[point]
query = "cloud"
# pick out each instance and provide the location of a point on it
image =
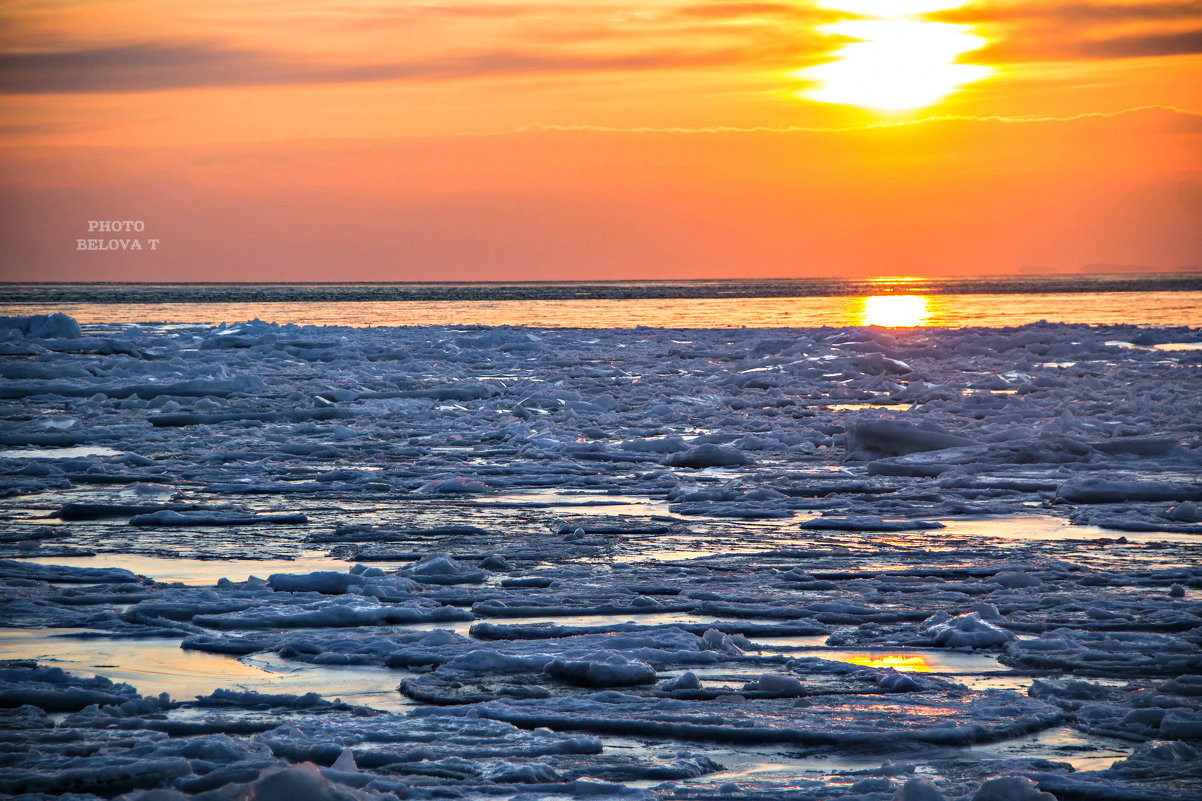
(155, 66)
(1149, 45)
(1037, 31)
(1164, 118)
(728, 11)
(1063, 48)
(136, 67)
(1072, 12)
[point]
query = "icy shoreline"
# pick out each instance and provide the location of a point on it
(670, 564)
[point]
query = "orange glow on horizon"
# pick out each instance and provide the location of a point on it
(511, 141)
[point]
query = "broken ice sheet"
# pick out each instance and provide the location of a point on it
(602, 563)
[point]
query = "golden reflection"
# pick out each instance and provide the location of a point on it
(906, 663)
(894, 280)
(895, 311)
(895, 59)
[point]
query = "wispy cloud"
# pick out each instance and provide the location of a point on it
(1145, 45)
(1179, 119)
(993, 11)
(155, 66)
(1058, 31)
(210, 43)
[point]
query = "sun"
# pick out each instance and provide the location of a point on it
(894, 59)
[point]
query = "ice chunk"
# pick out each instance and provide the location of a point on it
(458, 485)
(168, 517)
(869, 439)
(1187, 685)
(346, 761)
(1186, 512)
(1091, 489)
(1173, 752)
(867, 523)
(53, 690)
(44, 326)
(338, 611)
(685, 681)
(967, 631)
(66, 573)
(1013, 579)
(895, 682)
(295, 782)
(919, 789)
(1181, 724)
(440, 568)
(326, 581)
(1137, 446)
(707, 455)
(1010, 788)
(1106, 653)
(776, 685)
(601, 669)
(484, 660)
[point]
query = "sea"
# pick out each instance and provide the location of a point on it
(995, 301)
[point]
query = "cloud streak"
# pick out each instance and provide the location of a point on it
(1186, 120)
(1041, 31)
(1072, 12)
(155, 66)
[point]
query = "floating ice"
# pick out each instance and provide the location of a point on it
(601, 669)
(966, 631)
(43, 326)
(609, 562)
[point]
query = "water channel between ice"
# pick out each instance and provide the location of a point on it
(159, 665)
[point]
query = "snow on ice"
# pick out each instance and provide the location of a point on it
(641, 564)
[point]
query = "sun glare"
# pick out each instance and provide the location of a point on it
(895, 311)
(891, 8)
(895, 59)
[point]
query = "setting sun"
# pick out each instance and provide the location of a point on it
(895, 60)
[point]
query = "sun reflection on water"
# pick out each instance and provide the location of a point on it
(895, 58)
(909, 663)
(895, 311)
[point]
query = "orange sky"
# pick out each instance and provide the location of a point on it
(506, 140)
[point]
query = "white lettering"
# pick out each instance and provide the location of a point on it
(116, 226)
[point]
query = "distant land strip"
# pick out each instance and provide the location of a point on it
(158, 293)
